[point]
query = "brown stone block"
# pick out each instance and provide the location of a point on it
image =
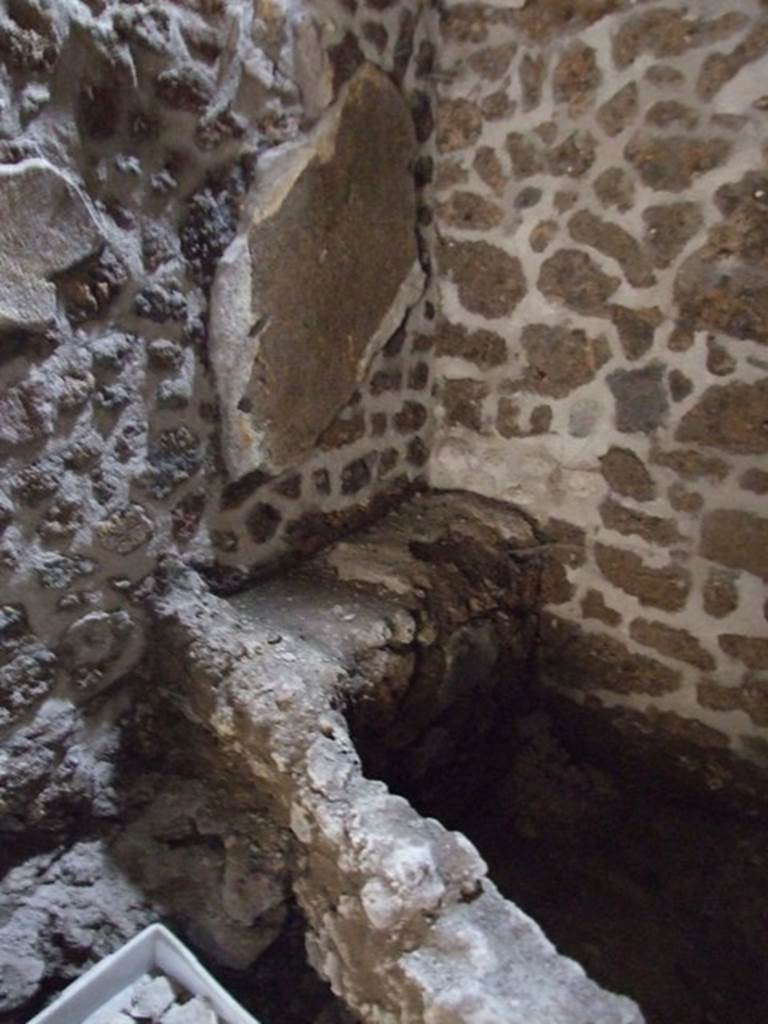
(627, 474)
(572, 657)
(666, 587)
(732, 416)
(672, 642)
(736, 539)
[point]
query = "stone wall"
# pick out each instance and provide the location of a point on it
(141, 146)
(601, 194)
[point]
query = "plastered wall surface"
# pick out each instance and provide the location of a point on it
(137, 145)
(601, 205)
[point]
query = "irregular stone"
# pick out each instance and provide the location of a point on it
(680, 386)
(627, 474)
(27, 412)
(751, 697)
(636, 328)
(489, 281)
(525, 155)
(612, 240)
(560, 360)
(593, 606)
(262, 522)
(27, 677)
(410, 417)
(666, 587)
(615, 187)
(629, 521)
(572, 277)
(664, 76)
(459, 124)
(729, 298)
(542, 234)
(752, 651)
(469, 211)
(497, 106)
(737, 540)
(641, 401)
(720, 362)
(97, 639)
(665, 113)
(355, 476)
(576, 77)
(463, 403)
(355, 253)
(683, 500)
(729, 416)
(489, 169)
(666, 32)
(531, 73)
(619, 111)
(88, 289)
(581, 660)
(754, 480)
(670, 163)
(672, 642)
(483, 348)
(669, 228)
(690, 464)
(348, 427)
(45, 228)
(126, 530)
(719, 68)
(574, 156)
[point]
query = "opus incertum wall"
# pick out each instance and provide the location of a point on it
(602, 207)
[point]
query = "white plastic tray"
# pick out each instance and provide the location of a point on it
(154, 949)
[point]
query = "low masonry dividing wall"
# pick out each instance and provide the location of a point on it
(403, 920)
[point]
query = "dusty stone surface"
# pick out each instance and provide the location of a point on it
(409, 887)
(281, 375)
(47, 226)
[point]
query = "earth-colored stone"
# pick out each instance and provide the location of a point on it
(572, 657)
(463, 403)
(669, 228)
(664, 587)
(751, 697)
(612, 240)
(752, 651)
(560, 360)
(720, 594)
(672, 642)
(754, 480)
(593, 606)
(670, 163)
(125, 531)
(630, 521)
(615, 187)
(469, 211)
(574, 156)
(641, 401)
(627, 474)
(525, 155)
(459, 124)
(690, 464)
(281, 370)
(46, 226)
(489, 281)
(572, 277)
(636, 328)
(531, 73)
(576, 77)
(737, 540)
(489, 168)
(667, 32)
(733, 417)
(483, 348)
(491, 62)
(620, 110)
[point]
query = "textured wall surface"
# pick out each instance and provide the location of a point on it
(602, 207)
(133, 140)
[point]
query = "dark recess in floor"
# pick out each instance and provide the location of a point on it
(658, 896)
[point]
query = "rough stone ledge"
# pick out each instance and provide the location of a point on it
(403, 920)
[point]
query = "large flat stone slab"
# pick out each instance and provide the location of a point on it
(45, 227)
(319, 276)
